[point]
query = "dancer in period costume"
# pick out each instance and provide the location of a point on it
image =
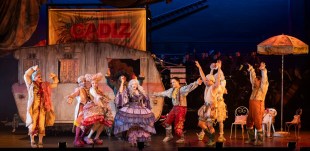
(257, 103)
(221, 110)
(97, 112)
(40, 111)
(178, 112)
(82, 96)
(135, 115)
(115, 86)
(207, 113)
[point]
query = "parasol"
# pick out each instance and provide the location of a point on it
(282, 45)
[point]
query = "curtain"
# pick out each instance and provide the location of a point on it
(18, 21)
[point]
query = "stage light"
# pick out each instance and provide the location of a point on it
(291, 145)
(219, 145)
(62, 145)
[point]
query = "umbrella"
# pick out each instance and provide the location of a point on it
(282, 45)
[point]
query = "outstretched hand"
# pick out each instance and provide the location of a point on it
(52, 75)
(213, 66)
(108, 72)
(199, 81)
(123, 79)
(35, 68)
(262, 66)
(69, 99)
(219, 64)
(197, 64)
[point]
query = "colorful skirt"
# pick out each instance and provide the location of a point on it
(137, 120)
(93, 113)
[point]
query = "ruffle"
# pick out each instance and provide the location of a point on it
(127, 126)
(138, 136)
(97, 118)
(124, 117)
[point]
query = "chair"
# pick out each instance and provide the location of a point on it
(241, 114)
(268, 120)
(296, 122)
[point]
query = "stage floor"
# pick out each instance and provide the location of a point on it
(19, 139)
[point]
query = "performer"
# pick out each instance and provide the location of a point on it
(135, 116)
(221, 109)
(207, 113)
(221, 106)
(82, 96)
(97, 112)
(257, 103)
(178, 112)
(115, 86)
(40, 111)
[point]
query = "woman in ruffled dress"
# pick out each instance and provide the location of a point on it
(97, 112)
(135, 116)
(82, 96)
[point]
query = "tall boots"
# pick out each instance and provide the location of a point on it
(251, 135)
(259, 140)
(211, 140)
(201, 135)
(77, 140)
(169, 135)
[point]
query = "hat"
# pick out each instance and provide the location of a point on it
(34, 74)
(210, 77)
(81, 78)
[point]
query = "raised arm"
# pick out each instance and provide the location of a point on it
(252, 73)
(110, 82)
(263, 69)
(184, 90)
(55, 82)
(121, 88)
(202, 74)
(218, 75)
(28, 73)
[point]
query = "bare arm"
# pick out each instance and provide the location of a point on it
(252, 74)
(121, 88)
(202, 74)
(218, 75)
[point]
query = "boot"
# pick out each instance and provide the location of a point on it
(221, 138)
(259, 141)
(77, 140)
(251, 134)
(181, 140)
(169, 135)
(211, 141)
(200, 135)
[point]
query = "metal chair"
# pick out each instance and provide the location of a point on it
(241, 114)
(296, 122)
